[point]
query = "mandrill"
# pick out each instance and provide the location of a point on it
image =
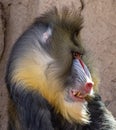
(49, 83)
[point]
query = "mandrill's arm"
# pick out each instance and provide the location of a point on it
(101, 118)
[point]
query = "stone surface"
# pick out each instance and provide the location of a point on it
(2, 29)
(99, 33)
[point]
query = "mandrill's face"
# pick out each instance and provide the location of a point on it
(53, 65)
(80, 82)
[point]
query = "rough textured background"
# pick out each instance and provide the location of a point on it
(98, 35)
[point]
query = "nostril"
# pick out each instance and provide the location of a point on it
(88, 87)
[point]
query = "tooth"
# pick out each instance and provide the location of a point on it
(78, 94)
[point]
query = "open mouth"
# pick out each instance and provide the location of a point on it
(77, 95)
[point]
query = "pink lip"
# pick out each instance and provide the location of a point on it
(78, 95)
(76, 98)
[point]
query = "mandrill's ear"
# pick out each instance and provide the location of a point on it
(45, 32)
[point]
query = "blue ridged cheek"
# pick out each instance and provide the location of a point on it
(80, 73)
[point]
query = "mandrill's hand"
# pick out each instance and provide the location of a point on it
(94, 101)
(100, 117)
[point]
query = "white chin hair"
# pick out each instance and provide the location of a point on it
(76, 112)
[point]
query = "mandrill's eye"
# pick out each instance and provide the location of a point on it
(76, 55)
(76, 34)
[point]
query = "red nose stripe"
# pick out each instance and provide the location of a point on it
(81, 62)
